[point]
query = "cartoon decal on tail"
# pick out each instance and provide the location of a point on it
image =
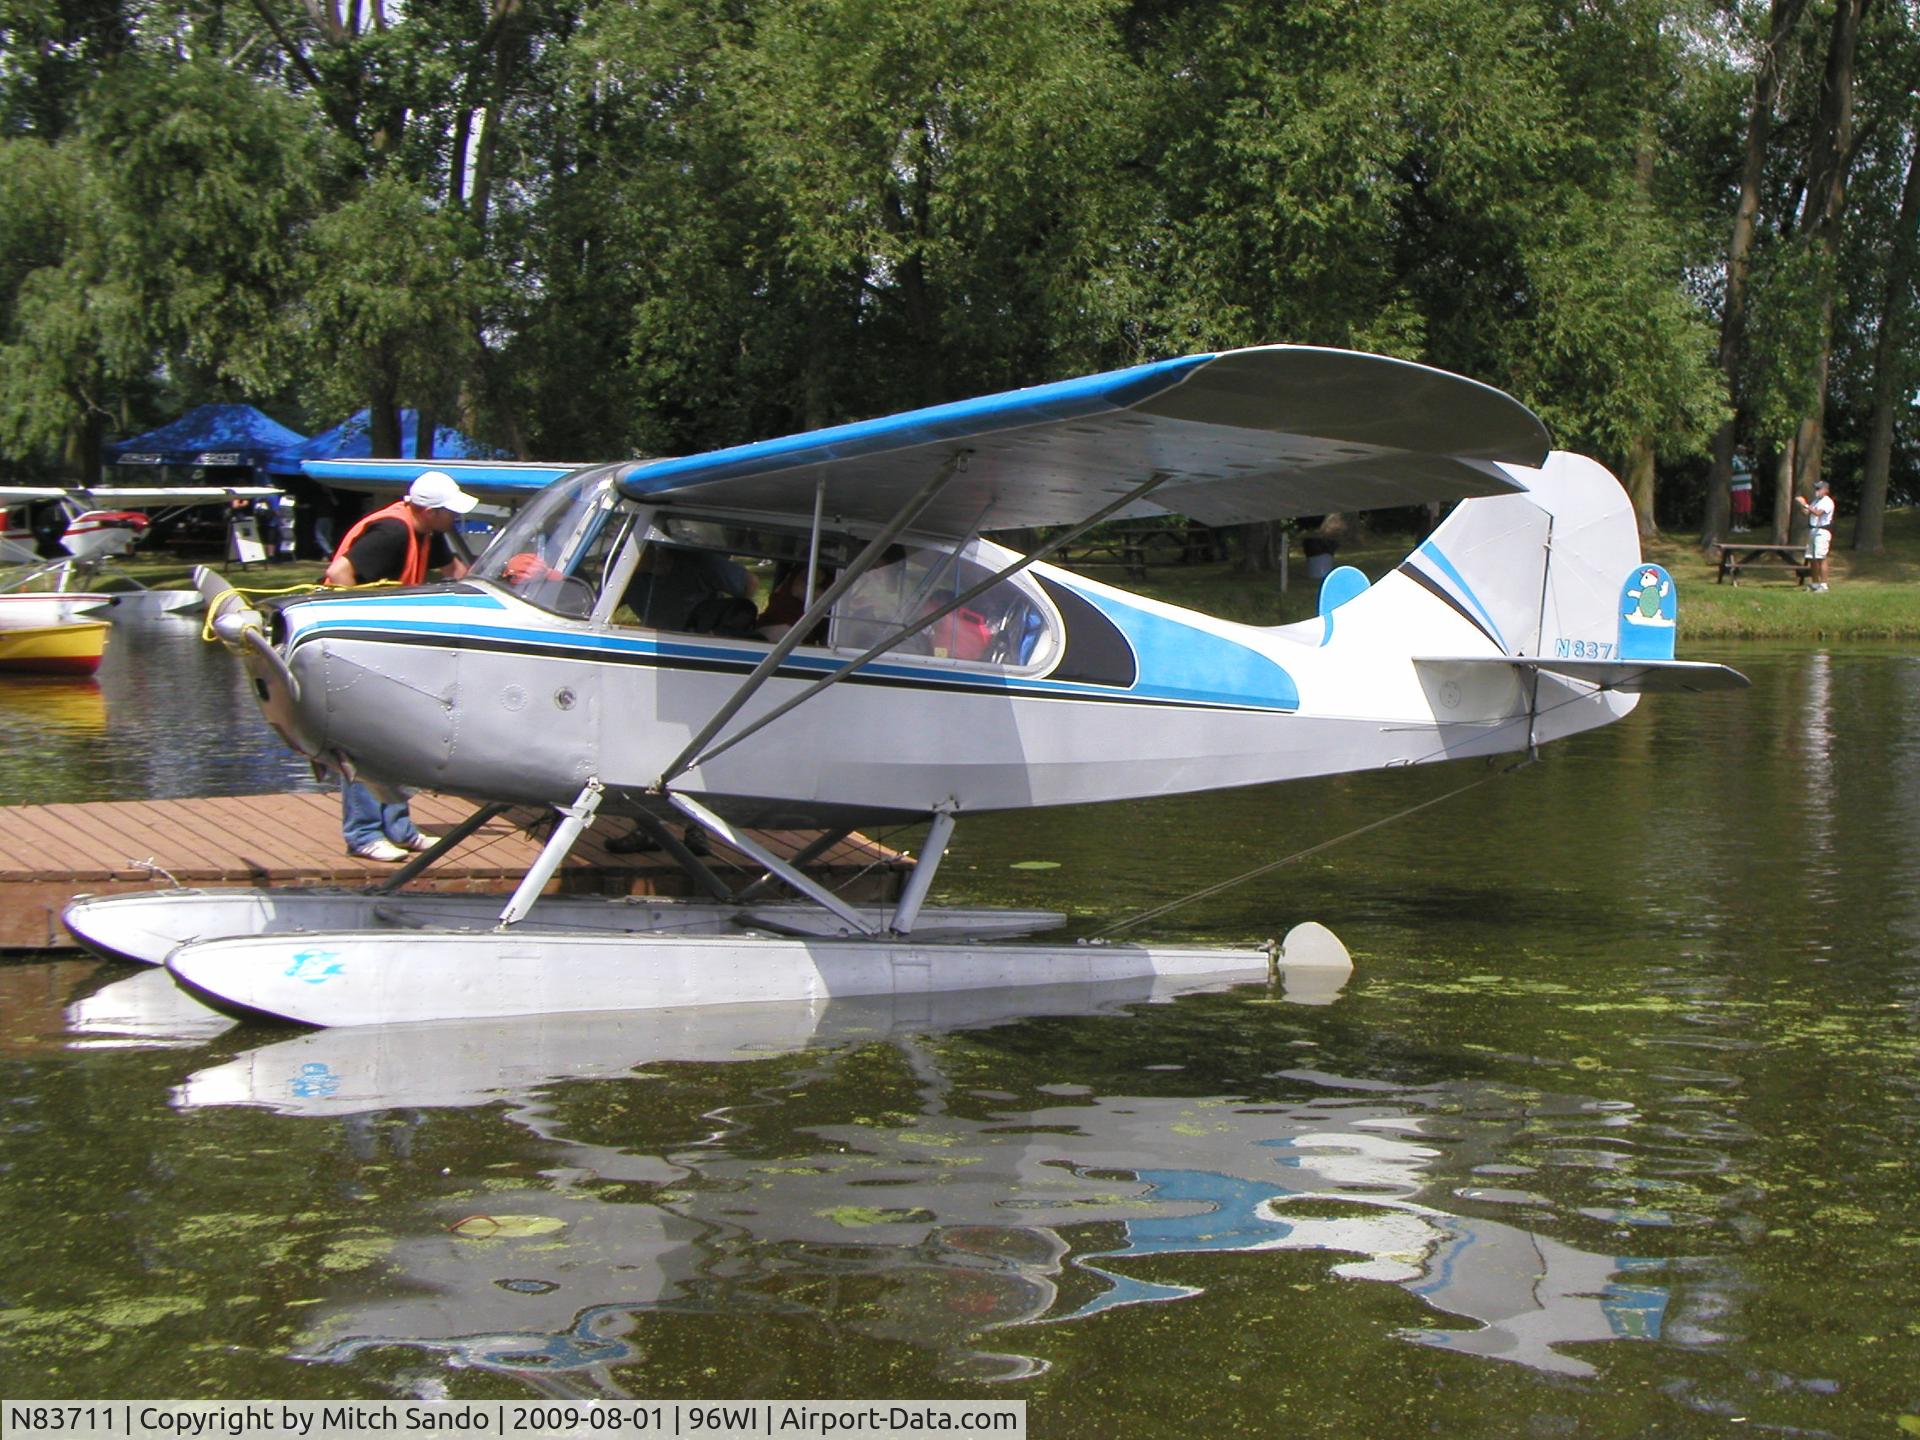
(1648, 610)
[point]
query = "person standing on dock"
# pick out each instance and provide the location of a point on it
(400, 543)
(1819, 532)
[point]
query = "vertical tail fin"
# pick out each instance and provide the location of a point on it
(1533, 571)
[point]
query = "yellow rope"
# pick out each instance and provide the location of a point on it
(244, 592)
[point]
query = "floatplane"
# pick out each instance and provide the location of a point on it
(929, 674)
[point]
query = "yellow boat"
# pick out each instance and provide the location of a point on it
(70, 649)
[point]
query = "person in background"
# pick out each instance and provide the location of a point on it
(1742, 493)
(402, 543)
(1819, 532)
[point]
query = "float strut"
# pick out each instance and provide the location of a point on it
(747, 845)
(914, 894)
(574, 818)
(445, 843)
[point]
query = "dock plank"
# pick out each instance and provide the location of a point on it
(61, 847)
(261, 842)
(169, 839)
(51, 853)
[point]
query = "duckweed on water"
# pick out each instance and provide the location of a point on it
(357, 1252)
(861, 1217)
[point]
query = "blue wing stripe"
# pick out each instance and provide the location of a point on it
(1061, 401)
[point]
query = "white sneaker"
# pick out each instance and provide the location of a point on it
(383, 850)
(1817, 589)
(422, 841)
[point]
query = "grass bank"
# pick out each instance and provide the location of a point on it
(1874, 597)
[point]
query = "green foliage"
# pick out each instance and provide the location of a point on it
(207, 176)
(1613, 349)
(71, 330)
(387, 300)
(660, 225)
(1788, 284)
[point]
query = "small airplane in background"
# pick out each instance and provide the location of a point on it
(104, 520)
(927, 672)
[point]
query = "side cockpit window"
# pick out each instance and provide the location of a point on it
(1004, 625)
(580, 551)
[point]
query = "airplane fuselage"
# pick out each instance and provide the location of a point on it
(469, 689)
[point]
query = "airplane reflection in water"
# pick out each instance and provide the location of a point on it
(957, 1226)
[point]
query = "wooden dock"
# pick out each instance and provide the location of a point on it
(51, 853)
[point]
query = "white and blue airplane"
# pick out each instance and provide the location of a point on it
(934, 673)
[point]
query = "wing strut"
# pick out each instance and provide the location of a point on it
(688, 758)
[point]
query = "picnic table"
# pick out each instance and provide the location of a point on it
(1134, 547)
(1738, 556)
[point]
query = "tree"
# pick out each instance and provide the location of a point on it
(1829, 162)
(70, 337)
(1470, 184)
(50, 56)
(421, 96)
(1782, 16)
(1893, 369)
(385, 311)
(151, 237)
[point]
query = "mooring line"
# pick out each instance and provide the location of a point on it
(1532, 717)
(1273, 865)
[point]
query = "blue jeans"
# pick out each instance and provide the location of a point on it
(363, 819)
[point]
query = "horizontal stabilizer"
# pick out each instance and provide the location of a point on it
(1629, 677)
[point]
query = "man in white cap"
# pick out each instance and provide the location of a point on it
(399, 543)
(405, 540)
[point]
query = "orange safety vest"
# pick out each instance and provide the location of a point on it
(414, 572)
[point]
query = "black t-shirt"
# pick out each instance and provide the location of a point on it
(381, 552)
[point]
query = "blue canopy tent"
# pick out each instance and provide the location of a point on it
(212, 437)
(325, 513)
(230, 445)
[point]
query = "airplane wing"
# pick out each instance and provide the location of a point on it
(1256, 434)
(500, 482)
(133, 497)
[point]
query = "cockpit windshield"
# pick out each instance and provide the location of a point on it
(558, 551)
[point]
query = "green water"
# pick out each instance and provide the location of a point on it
(1613, 1132)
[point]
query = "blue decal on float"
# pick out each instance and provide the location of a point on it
(314, 1080)
(315, 967)
(1648, 612)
